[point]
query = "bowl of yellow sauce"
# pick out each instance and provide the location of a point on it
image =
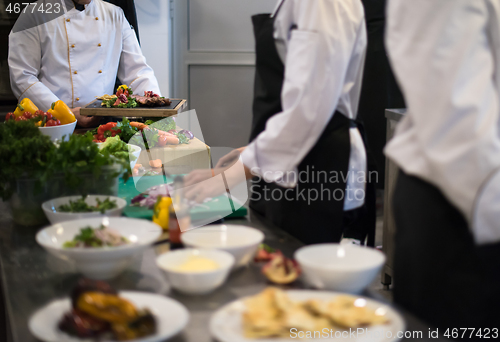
(196, 271)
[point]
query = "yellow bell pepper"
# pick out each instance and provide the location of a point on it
(61, 111)
(26, 105)
(161, 212)
(124, 87)
(109, 308)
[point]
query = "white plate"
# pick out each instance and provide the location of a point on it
(171, 317)
(226, 326)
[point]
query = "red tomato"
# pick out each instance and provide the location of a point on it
(162, 140)
(27, 115)
(21, 118)
(10, 116)
(49, 116)
(51, 123)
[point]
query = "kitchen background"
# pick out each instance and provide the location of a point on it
(200, 50)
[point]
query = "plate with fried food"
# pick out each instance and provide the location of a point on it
(275, 315)
(97, 312)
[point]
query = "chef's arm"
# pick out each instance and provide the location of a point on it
(318, 55)
(450, 84)
(24, 67)
(133, 70)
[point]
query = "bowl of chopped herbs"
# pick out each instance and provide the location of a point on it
(78, 207)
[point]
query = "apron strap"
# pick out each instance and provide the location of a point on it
(280, 4)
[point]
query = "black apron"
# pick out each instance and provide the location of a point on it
(440, 275)
(310, 221)
(379, 90)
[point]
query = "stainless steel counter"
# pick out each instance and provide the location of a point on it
(32, 278)
(393, 116)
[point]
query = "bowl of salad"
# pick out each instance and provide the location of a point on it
(120, 149)
(77, 207)
(100, 247)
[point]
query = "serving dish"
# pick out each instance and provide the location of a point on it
(102, 262)
(241, 241)
(50, 208)
(58, 132)
(226, 323)
(195, 282)
(172, 317)
(346, 268)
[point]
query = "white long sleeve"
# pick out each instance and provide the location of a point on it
(24, 66)
(76, 56)
(323, 68)
(445, 57)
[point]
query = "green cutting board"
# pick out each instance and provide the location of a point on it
(217, 208)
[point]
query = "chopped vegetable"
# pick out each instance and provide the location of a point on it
(281, 270)
(99, 237)
(187, 133)
(155, 163)
(165, 124)
(80, 206)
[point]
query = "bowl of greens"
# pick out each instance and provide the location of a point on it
(79, 207)
(99, 247)
(116, 147)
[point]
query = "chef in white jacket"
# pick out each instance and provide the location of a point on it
(309, 64)
(445, 54)
(76, 56)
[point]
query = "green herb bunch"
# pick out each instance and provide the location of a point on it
(79, 155)
(24, 151)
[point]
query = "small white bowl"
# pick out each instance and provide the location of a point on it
(242, 242)
(51, 208)
(344, 268)
(100, 263)
(57, 132)
(136, 152)
(195, 282)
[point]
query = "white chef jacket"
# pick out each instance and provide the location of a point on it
(446, 57)
(323, 45)
(77, 57)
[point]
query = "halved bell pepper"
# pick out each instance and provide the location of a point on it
(162, 212)
(61, 111)
(26, 105)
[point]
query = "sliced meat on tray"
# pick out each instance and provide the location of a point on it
(151, 101)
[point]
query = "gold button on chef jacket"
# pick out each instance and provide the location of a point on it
(61, 59)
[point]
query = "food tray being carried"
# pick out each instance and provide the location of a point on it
(96, 109)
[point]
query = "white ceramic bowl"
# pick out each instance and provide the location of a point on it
(345, 268)
(99, 263)
(242, 242)
(195, 282)
(51, 207)
(136, 152)
(57, 132)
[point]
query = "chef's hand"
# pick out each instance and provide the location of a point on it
(230, 158)
(203, 184)
(85, 121)
(198, 176)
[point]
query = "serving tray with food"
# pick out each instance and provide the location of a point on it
(275, 315)
(125, 103)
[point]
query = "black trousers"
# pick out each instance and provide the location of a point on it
(439, 273)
